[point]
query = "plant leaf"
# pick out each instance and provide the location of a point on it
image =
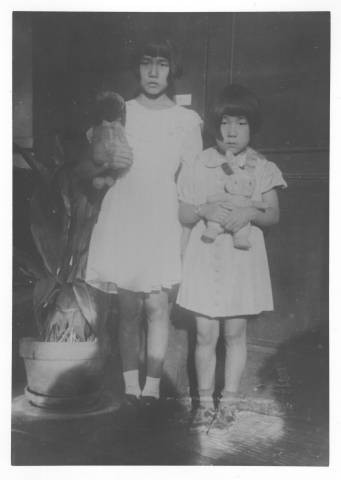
(50, 225)
(65, 321)
(32, 161)
(31, 267)
(44, 294)
(86, 299)
(84, 215)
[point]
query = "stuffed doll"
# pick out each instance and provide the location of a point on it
(107, 134)
(238, 190)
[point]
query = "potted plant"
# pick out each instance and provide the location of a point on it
(64, 365)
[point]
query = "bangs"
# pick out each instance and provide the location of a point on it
(235, 110)
(157, 50)
(160, 48)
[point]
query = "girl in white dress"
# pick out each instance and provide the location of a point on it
(222, 284)
(135, 246)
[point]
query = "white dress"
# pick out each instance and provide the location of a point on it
(135, 244)
(219, 280)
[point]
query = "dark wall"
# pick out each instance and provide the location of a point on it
(75, 54)
(22, 83)
(284, 57)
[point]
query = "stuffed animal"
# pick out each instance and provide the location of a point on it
(107, 135)
(238, 190)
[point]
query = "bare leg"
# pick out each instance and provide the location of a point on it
(129, 338)
(205, 356)
(236, 352)
(157, 313)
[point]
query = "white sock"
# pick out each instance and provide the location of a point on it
(131, 382)
(152, 387)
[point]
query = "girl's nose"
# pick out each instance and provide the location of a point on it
(153, 70)
(232, 130)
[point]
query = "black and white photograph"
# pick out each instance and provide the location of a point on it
(170, 238)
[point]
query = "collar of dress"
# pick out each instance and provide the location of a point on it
(247, 158)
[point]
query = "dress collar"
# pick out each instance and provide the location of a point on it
(216, 159)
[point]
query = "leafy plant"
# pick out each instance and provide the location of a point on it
(62, 214)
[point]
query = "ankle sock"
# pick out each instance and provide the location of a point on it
(131, 382)
(206, 398)
(152, 387)
(227, 395)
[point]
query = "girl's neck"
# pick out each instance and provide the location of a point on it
(158, 103)
(223, 153)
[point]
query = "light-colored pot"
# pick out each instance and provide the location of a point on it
(63, 375)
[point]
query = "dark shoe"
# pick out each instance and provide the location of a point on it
(129, 409)
(148, 402)
(151, 411)
(130, 402)
(150, 406)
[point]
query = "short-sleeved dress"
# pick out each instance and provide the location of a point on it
(219, 280)
(135, 244)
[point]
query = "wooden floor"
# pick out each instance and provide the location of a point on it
(282, 421)
(253, 439)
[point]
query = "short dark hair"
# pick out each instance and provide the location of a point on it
(158, 46)
(237, 101)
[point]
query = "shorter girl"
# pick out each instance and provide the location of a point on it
(221, 284)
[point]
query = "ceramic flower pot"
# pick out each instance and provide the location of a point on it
(63, 375)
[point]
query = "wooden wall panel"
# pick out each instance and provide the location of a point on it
(284, 57)
(298, 255)
(220, 54)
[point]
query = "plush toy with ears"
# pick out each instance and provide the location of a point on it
(238, 190)
(108, 135)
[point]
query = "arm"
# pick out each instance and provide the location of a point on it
(236, 201)
(240, 217)
(191, 214)
(269, 216)
(192, 145)
(87, 169)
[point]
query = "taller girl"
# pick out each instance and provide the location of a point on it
(135, 246)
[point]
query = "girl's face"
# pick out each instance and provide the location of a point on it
(235, 133)
(154, 73)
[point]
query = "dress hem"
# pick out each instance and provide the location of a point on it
(113, 288)
(228, 315)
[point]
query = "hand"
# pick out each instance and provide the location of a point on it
(238, 218)
(215, 212)
(219, 197)
(122, 156)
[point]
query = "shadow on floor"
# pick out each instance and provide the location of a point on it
(297, 374)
